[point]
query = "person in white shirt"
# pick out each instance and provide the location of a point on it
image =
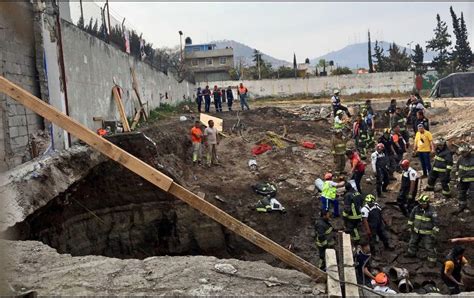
(380, 164)
(211, 142)
(409, 185)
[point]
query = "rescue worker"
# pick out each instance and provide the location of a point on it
(373, 223)
(398, 144)
(339, 122)
(230, 98)
(423, 146)
(217, 99)
(199, 99)
(196, 139)
(336, 104)
(207, 99)
(242, 91)
(381, 284)
(451, 269)
(465, 170)
(389, 149)
(408, 187)
(324, 236)
(357, 167)
(368, 107)
(361, 136)
(338, 150)
(421, 119)
(368, 119)
(363, 264)
(423, 225)
(401, 120)
(329, 193)
(352, 217)
(442, 166)
(380, 163)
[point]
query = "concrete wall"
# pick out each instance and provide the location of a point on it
(17, 63)
(91, 65)
(376, 83)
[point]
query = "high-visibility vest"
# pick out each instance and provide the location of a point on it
(329, 191)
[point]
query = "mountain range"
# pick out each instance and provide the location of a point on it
(352, 56)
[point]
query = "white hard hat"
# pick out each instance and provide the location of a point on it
(336, 91)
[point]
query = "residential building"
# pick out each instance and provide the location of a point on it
(208, 63)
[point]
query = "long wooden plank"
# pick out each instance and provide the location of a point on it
(218, 122)
(349, 270)
(333, 285)
(157, 178)
(123, 115)
(135, 88)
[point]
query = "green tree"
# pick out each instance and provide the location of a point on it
(371, 65)
(465, 52)
(440, 43)
(285, 72)
(341, 71)
(458, 45)
(398, 60)
(306, 61)
(417, 59)
(295, 66)
(322, 63)
(380, 58)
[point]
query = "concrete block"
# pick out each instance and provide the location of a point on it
(22, 131)
(18, 143)
(18, 120)
(13, 132)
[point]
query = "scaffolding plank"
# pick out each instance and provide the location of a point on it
(157, 178)
(334, 287)
(123, 115)
(349, 270)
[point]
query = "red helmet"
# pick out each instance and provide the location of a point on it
(327, 176)
(380, 146)
(381, 279)
(405, 164)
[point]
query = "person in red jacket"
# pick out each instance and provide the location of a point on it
(357, 167)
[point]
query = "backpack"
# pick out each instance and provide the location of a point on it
(265, 188)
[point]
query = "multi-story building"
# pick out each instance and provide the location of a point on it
(208, 63)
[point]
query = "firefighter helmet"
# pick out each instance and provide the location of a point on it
(370, 198)
(440, 142)
(381, 279)
(423, 199)
(339, 112)
(465, 148)
(327, 176)
(336, 91)
(404, 164)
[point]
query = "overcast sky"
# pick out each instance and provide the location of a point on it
(279, 28)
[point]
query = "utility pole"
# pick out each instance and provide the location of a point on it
(82, 11)
(108, 17)
(258, 66)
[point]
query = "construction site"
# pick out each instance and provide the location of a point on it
(100, 194)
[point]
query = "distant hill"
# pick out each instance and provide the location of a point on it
(245, 52)
(355, 55)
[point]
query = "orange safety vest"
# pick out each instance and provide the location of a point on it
(242, 90)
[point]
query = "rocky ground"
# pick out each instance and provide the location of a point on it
(118, 211)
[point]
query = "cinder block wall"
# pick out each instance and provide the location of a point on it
(17, 63)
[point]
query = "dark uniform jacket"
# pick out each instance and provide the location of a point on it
(423, 221)
(443, 160)
(465, 167)
(324, 233)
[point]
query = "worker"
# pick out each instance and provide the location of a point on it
(243, 93)
(351, 213)
(336, 104)
(451, 270)
(380, 163)
(357, 168)
(389, 150)
(363, 264)
(339, 122)
(391, 109)
(465, 170)
(373, 223)
(381, 284)
(423, 146)
(399, 145)
(368, 106)
(211, 142)
(329, 194)
(423, 225)
(401, 120)
(230, 98)
(199, 99)
(442, 167)
(324, 236)
(368, 119)
(196, 139)
(421, 118)
(217, 99)
(408, 187)
(338, 150)
(361, 136)
(207, 99)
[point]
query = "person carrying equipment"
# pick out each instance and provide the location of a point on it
(465, 170)
(423, 225)
(352, 217)
(329, 193)
(373, 223)
(380, 164)
(324, 236)
(409, 185)
(442, 166)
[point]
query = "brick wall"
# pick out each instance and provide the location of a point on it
(17, 63)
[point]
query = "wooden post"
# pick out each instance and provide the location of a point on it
(349, 270)
(334, 288)
(157, 178)
(123, 115)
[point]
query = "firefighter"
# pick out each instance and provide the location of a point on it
(409, 185)
(423, 226)
(361, 136)
(465, 170)
(451, 270)
(373, 223)
(351, 213)
(339, 122)
(442, 166)
(380, 163)
(324, 236)
(390, 152)
(401, 120)
(338, 150)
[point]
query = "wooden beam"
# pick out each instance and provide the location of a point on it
(333, 285)
(135, 88)
(349, 270)
(157, 178)
(136, 118)
(123, 115)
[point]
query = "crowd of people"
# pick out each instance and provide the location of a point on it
(219, 96)
(388, 153)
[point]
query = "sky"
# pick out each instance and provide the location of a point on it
(279, 29)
